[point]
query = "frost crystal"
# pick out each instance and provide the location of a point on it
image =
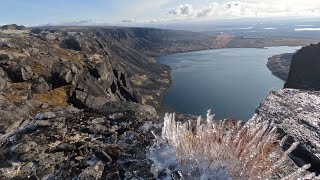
(227, 150)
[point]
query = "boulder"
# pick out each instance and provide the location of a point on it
(11, 116)
(5, 57)
(26, 73)
(40, 86)
(93, 172)
(9, 121)
(36, 31)
(45, 115)
(71, 43)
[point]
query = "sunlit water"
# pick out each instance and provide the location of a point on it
(232, 82)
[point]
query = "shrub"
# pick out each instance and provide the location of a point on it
(222, 150)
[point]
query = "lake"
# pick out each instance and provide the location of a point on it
(231, 82)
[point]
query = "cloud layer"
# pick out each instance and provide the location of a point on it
(248, 8)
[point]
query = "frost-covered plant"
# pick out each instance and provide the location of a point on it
(227, 150)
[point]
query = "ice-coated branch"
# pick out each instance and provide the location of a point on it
(228, 150)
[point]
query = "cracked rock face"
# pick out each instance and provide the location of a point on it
(296, 113)
(73, 65)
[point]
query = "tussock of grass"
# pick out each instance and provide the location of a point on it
(55, 97)
(19, 92)
(69, 55)
(38, 69)
(16, 98)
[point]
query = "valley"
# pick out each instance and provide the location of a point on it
(85, 102)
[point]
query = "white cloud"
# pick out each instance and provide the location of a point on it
(141, 8)
(270, 28)
(249, 8)
(307, 29)
(128, 20)
(182, 10)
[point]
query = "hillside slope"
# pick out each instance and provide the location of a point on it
(72, 100)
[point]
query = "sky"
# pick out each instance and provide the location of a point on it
(117, 12)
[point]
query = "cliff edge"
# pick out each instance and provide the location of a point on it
(304, 70)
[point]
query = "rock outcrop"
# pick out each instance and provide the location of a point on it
(279, 65)
(304, 70)
(89, 75)
(296, 114)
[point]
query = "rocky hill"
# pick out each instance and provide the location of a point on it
(73, 99)
(304, 70)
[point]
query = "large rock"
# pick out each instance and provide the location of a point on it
(304, 70)
(93, 172)
(296, 113)
(11, 116)
(71, 43)
(40, 86)
(26, 73)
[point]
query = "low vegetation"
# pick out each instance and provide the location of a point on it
(222, 150)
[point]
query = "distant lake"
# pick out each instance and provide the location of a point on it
(231, 82)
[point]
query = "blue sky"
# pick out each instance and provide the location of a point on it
(37, 12)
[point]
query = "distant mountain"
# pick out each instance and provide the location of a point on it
(12, 27)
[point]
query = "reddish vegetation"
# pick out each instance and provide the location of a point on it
(222, 40)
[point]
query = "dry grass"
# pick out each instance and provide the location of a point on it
(18, 54)
(138, 80)
(38, 69)
(19, 92)
(68, 55)
(215, 149)
(55, 97)
(16, 98)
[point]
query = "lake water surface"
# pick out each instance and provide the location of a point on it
(232, 82)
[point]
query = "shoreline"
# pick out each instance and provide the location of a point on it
(163, 108)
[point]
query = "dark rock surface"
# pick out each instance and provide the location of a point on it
(70, 43)
(296, 114)
(70, 143)
(304, 70)
(279, 65)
